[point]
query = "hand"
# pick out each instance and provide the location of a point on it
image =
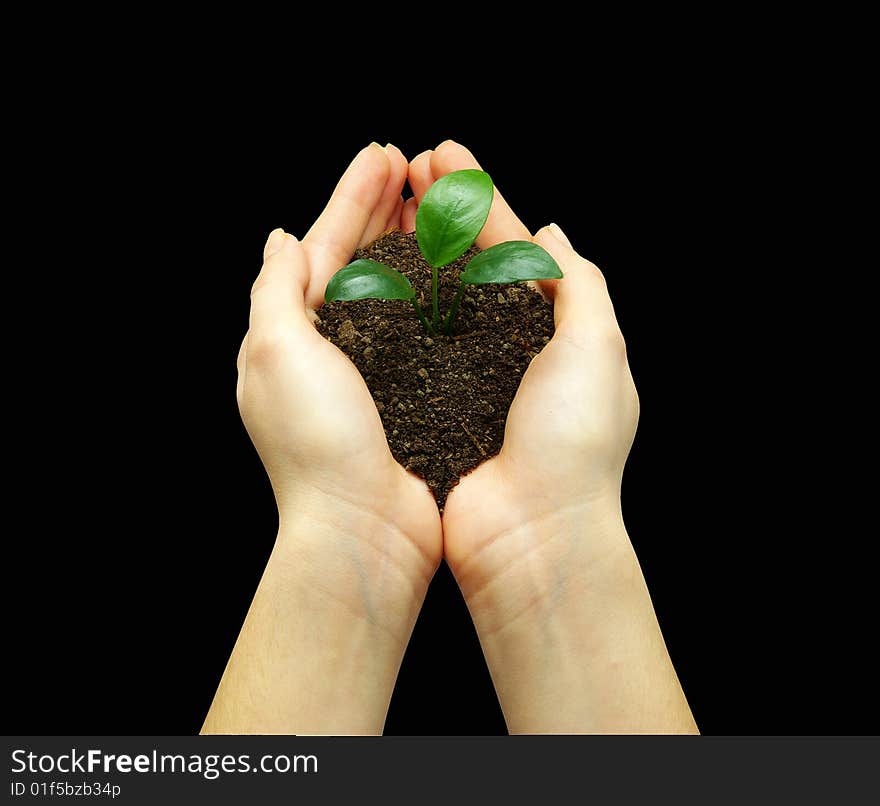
(359, 537)
(306, 407)
(535, 536)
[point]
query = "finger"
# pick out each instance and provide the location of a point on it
(502, 224)
(277, 296)
(331, 241)
(548, 287)
(581, 305)
(408, 215)
(394, 219)
(420, 176)
(390, 198)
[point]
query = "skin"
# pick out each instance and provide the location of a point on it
(535, 536)
(359, 538)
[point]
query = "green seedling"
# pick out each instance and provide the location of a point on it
(450, 217)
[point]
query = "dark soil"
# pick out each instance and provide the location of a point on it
(443, 399)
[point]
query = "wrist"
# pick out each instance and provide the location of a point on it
(537, 566)
(352, 563)
(569, 633)
(323, 640)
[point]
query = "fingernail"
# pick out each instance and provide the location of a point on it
(559, 235)
(388, 145)
(274, 242)
(381, 148)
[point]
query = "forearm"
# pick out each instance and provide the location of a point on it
(310, 659)
(571, 638)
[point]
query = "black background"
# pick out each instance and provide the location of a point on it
(152, 518)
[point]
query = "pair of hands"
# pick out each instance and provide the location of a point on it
(534, 536)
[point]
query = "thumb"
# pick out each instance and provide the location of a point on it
(278, 293)
(581, 305)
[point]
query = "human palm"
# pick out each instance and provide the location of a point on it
(567, 436)
(308, 410)
(568, 431)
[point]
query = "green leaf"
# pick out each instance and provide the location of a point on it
(368, 279)
(510, 262)
(451, 215)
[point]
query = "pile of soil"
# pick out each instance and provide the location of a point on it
(443, 399)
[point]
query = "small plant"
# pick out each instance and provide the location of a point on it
(448, 221)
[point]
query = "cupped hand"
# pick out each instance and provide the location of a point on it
(535, 536)
(313, 421)
(570, 426)
(359, 538)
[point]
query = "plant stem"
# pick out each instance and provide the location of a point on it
(428, 329)
(453, 311)
(435, 282)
